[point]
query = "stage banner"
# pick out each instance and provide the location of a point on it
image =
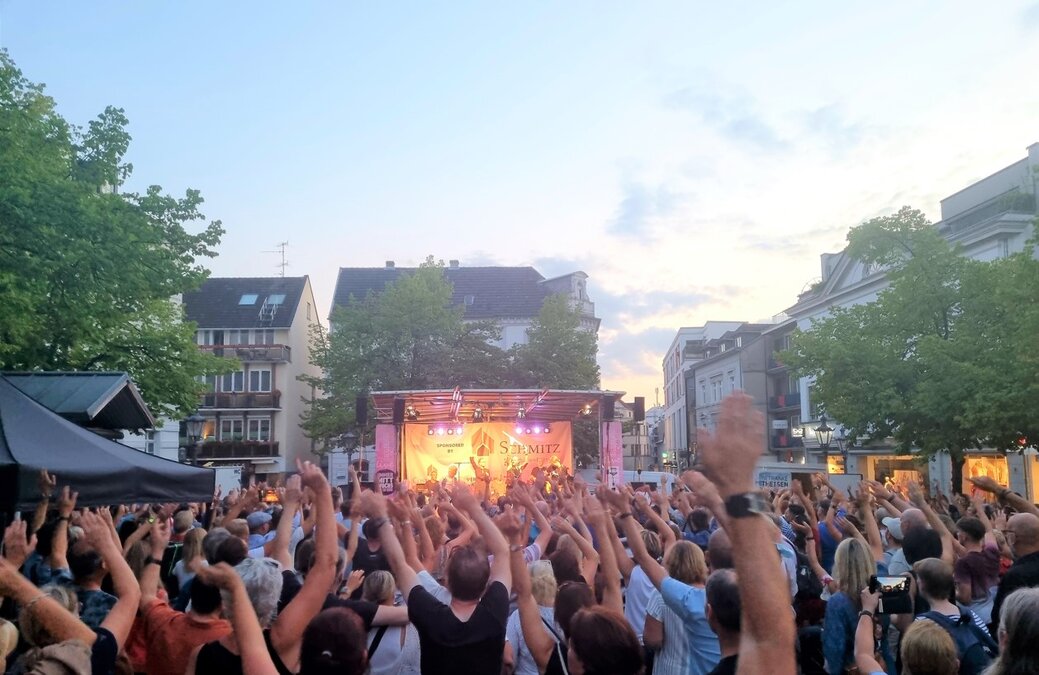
(504, 449)
(385, 457)
(612, 454)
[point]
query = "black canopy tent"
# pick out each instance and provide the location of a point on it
(102, 471)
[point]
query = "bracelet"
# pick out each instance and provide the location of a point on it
(625, 515)
(865, 612)
(378, 523)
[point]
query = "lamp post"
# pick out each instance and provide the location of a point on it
(194, 425)
(824, 433)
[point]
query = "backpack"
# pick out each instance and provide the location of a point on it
(976, 647)
(810, 657)
(808, 585)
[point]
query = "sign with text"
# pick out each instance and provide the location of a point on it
(497, 447)
(772, 480)
(612, 454)
(338, 469)
(385, 448)
(845, 482)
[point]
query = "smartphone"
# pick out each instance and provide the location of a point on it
(894, 594)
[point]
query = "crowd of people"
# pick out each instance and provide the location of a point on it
(711, 577)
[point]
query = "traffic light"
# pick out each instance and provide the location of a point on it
(663, 455)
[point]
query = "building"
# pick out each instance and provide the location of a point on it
(736, 360)
(686, 349)
(635, 440)
(252, 414)
(783, 388)
(510, 296)
(989, 219)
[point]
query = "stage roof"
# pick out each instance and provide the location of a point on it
(497, 405)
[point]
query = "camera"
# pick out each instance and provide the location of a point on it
(894, 594)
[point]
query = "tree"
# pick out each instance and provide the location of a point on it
(408, 336)
(88, 276)
(944, 359)
(559, 354)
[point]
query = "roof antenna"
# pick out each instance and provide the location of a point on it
(280, 248)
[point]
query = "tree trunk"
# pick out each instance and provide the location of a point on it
(957, 460)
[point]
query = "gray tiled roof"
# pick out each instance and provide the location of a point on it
(216, 303)
(494, 292)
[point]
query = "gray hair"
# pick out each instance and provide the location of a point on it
(263, 580)
(1018, 633)
(211, 542)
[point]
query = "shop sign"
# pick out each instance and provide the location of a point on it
(772, 480)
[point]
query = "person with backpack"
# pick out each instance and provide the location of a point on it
(927, 648)
(975, 647)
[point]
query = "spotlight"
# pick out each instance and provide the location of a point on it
(458, 430)
(478, 414)
(450, 431)
(545, 429)
(537, 429)
(587, 409)
(518, 430)
(411, 413)
(528, 430)
(440, 431)
(430, 430)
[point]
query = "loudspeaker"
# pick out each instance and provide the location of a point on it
(398, 411)
(362, 411)
(607, 408)
(640, 408)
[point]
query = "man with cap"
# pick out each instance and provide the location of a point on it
(891, 534)
(259, 529)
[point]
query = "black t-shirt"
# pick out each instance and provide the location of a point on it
(369, 561)
(453, 646)
(364, 609)
(726, 666)
(104, 652)
(557, 662)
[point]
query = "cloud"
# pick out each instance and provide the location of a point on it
(640, 206)
(730, 112)
(1030, 16)
(829, 125)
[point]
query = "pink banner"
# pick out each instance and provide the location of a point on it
(612, 454)
(385, 457)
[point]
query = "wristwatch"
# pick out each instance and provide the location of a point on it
(747, 504)
(154, 561)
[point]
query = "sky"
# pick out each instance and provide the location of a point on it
(693, 158)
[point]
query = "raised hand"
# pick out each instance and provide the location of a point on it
(373, 504)
(312, 476)
(46, 482)
(511, 527)
(96, 531)
(16, 546)
(463, 498)
(879, 491)
(619, 502)
(730, 454)
(67, 502)
(221, 575)
(987, 484)
(292, 493)
(353, 582)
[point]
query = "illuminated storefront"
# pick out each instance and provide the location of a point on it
(993, 466)
(895, 470)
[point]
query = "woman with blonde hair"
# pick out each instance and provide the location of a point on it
(853, 565)
(665, 631)
(191, 552)
(927, 648)
(1018, 634)
(543, 589)
(391, 649)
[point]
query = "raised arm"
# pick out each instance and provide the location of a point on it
(150, 579)
(885, 495)
(654, 570)
(492, 537)
(290, 500)
(121, 617)
(60, 543)
(611, 596)
(951, 549)
(1020, 504)
(864, 641)
(538, 642)
(46, 483)
(287, 631)
(57, 621)
(522, 495)
(590, 560)
(256, 659)
(667, 535)
(374, 506)
(730, 455)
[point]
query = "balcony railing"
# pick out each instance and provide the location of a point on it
(267, 353)
(237, 449)
(1008, 202)
(244, 399)
(774, 363)
(782, 401)
(785, 442)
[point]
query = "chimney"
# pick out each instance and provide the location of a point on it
(390, 264)
(453, 264)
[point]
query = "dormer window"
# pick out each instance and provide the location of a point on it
(248, 299)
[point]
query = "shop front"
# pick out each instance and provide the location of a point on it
(896, 470)
(993, 466)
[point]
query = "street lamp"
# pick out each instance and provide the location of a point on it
(194, 425)
(824, 432)
(349, 441)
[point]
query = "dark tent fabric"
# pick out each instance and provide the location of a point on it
(103, 472)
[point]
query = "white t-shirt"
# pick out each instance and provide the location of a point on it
(636, 600)
(525, 664)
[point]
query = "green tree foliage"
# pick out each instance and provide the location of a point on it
(88, 276)
(944, 359)
(410, 336)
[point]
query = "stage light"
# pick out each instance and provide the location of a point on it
(528, 430)
(430, 430)
(478, 414)
(587, 409)
(450, 431)
(411, 412)
(440, 431)
(521, 413)
(537, 429)
(458, 430)
(518, 430)
(545, 429)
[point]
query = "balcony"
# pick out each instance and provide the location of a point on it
(774, 363)
(259, 353)
(243, 399)
(237, 449)
(785, 401)
(785, 442)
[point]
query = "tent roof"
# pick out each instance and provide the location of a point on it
(103, 472)
(103, 400)
(454, 405)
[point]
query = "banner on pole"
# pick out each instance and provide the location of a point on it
(431, 453)
(385, 455)
(612, 454)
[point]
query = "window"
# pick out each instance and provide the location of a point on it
(703, 391)
(739, 340)
(149, 441)
(276, 299)
(732, 381)
(209, 381)
(231, 429)
(248, 299)
(236, 337)
(308, 311)
(233, 382)
(259, 380)
(716, 388)
(260, 429)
